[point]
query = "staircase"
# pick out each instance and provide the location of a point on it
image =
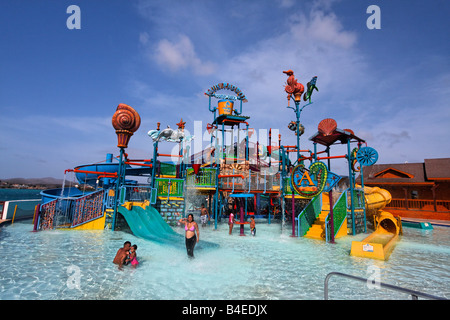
(317, 230)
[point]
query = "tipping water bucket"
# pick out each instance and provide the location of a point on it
(225, 107)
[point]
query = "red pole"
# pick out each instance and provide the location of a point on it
(169, 155)
(330, 195)
(331, 157)
(269, 149)
(139, 164)
(110, 174)
(36, 217)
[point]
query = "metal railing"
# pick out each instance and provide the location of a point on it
(205, 178)
(137, 193)
(414, 294)
(70, 212)
(420, 204)
(169, 187)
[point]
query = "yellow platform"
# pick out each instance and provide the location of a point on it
(97, 224)
(380, 244)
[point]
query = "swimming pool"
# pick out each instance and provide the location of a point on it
(61, 264)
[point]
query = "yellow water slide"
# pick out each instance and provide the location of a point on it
(381, 242)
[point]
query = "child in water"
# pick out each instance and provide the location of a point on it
(231, 222)
(252, 225)
(132, 257)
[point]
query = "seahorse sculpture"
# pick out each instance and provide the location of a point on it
(126, 121)
(293, 87)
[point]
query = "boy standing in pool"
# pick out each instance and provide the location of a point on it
(252, 225)
(204, 214)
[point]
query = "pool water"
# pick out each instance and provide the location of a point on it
(60, 264)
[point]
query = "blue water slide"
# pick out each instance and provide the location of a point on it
(91, 178)
(53, 194)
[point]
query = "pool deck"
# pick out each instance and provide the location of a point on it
(4, 221)
(436, 218)
(443, 223)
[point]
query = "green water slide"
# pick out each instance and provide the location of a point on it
(148, 224)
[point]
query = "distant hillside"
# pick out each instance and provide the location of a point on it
(34, 181)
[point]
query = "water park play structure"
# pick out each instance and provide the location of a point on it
(266, 179)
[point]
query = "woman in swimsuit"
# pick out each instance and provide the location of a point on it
(191, 227)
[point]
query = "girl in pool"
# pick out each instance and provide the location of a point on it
(231, 221)
(191, 227)
(132, 257)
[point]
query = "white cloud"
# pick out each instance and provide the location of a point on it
(313, 44)
(144, 38)
(179, 54)
(287, 3)
(358, 90)
(321, 26)
(305, 48)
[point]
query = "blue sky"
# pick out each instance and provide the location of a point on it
(60, 87)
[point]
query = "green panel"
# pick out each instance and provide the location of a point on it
(206, 177)
(175, 189)
(122, 195)
(309, 214)
(339, 215)
(288, 188)
(168, 169)
(154, 196)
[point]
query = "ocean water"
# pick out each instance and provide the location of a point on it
(19, 194)
(77, 264)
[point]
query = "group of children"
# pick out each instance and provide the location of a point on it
(204, 216)
(231, 222)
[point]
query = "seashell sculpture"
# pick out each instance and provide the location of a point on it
(349, 131)
(126, 121)
(327, 126)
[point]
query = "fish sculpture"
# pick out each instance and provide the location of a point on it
(169, 135)
(310, 88)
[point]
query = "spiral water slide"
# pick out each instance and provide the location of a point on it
(381, 242)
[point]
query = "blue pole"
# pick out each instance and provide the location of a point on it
(246, 147)
(363, 194)
(297, 113)
(282, 187)
(315, 151)
(350, 178)
(155, 153)
(116, 193)
(109, 159)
